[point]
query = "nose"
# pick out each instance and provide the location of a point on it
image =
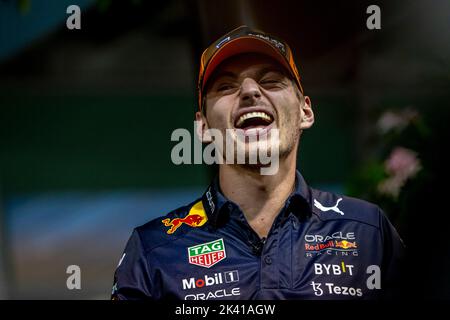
(250, 92)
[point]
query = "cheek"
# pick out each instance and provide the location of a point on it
(218, 114)
(290, 113)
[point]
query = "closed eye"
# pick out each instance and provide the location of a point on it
(225, 87)
(271, 78)
(269, 81)
(272, 83)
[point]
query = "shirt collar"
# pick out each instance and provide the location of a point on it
(217, 205)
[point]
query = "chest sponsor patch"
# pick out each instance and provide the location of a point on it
(207, 254)
(337, 243)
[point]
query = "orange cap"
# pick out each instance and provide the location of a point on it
(242, 40)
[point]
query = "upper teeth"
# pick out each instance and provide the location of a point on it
(249, 115)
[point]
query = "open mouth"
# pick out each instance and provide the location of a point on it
(254, 120)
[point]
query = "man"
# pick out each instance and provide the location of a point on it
(254, 235)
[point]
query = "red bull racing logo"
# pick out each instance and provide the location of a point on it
(344, 244)
(195, 218)
(333, 244)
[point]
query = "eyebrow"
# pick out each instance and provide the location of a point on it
(224, 74)
(259, 74)
(271, 69)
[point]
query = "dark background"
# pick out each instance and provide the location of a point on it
(86, 117)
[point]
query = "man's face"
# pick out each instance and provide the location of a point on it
(254, 93)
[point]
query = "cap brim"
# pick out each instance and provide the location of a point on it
(243, 45)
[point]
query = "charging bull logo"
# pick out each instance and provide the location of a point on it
(195, 218)
(344, 244)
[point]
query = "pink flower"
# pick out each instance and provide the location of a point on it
(396, 120)
(402, 164)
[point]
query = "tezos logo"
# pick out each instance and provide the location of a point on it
(332, 289)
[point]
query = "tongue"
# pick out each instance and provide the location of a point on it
(253, 127)
(254, 123)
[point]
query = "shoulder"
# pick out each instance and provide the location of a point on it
(172, 226)
(332, 206)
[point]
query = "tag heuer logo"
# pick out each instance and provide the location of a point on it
(207, 254)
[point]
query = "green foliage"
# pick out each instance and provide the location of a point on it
(24, 6)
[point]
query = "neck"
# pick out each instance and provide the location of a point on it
(260, 197)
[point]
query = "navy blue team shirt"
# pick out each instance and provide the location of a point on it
(320, 246)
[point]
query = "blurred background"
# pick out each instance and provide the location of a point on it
(86, 118)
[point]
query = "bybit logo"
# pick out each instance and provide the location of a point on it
(333, 269)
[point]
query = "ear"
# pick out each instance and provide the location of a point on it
(307, 114)
(202, 128)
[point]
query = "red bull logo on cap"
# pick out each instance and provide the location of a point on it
(195, 218)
